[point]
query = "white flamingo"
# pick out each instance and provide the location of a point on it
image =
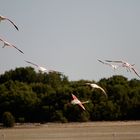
(5, 18)
(43, 69)
(93, 86)
(111, 65)
(7, 44)
(128, 66)
(75, 101)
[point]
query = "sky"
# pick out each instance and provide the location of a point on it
(70, 35)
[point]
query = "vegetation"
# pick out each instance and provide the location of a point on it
(40, 97)
(8, 119)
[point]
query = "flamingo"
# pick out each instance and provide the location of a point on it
(127, 65)
(111, 65)
(5, 18)
(43, 69)
(93, 86)
(77, 101)
(9, 45)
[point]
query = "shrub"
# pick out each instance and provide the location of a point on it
(8, 119)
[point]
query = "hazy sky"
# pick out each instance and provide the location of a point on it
(70, 35)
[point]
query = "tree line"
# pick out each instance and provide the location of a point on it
(32, 96)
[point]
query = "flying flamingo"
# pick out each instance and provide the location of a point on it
(43, 69)
(128, 66)
(93, 86)
(5, 18)
(111, 65)
(77, 101)
(9, 45)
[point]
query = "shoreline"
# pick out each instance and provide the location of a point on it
(74, 124)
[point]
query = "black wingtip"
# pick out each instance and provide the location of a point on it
(99, 60)
(17, 28)
(22, 52)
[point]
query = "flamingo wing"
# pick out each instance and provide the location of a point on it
(135, 72)
(17, 49)
(98, 87)
(32, 63)
(85, 102)
(42, 68)
(111, 65)
(105, 63)
(102, 62)
(12, 23)
(114, 61)
(103, 91)
(81, 105)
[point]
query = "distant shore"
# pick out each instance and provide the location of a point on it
(74, 124)
(103, 130)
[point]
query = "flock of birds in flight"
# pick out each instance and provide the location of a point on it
(75, 101)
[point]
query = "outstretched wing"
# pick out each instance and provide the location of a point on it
(80, 104)
(31, 63)
(98, 87)
(101, 61)
(103, 91)
(104, 63)
(17, 49)
(12, 23)
(135, 72)
(114, 61)
(85, 102)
